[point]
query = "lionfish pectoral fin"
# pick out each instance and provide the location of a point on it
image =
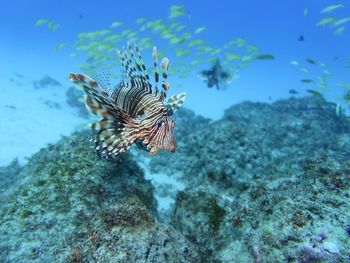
(113, 132)
(175, 102)
(112, 137)
(97, 100)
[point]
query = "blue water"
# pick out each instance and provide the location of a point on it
(31, 117)
(273, 26)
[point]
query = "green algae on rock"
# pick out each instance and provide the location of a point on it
(63, 187)
(280, 172)
(129, 233)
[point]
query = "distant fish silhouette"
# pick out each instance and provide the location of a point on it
(306, 80)
(301, 38)
(293, 92)
(216, 75)
(311, 61)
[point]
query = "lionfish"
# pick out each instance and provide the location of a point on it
(133, 112)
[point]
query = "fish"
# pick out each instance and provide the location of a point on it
(52, 26)
(177, 11)
(326, 20)
(141, 20)
(339, 30)
(315, 93)
(293, 92)
(311, 61)
(199, 30)
(59, 46)
(301, 38)
(116, 24)
(135, 112)
(195, 42)
(331, 8)
(239, 42)
(231, 56)
(306, 80)
(341, 21)
(265, 57)
(216, 75)
(252, 49)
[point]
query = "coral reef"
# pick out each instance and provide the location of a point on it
(266, 183)
(64, 188)
(129, 233)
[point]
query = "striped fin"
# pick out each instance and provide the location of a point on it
(113, 132)
(175, 102)
(132, 67)
(156, 72)
(165, 84)
(164, 65)
(135, 90)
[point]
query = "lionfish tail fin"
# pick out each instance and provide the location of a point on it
(175, 102)
(113, 132)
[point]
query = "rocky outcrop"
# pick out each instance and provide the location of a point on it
(64, 191)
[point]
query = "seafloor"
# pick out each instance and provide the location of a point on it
(266, 183)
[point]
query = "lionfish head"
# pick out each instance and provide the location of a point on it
(163, 136)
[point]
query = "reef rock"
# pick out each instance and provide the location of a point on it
(266, 183)
(57, 204)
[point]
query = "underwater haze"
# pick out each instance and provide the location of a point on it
(175, 131)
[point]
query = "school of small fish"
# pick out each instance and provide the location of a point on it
(193, 53)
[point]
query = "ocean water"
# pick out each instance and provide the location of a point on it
(261, 169)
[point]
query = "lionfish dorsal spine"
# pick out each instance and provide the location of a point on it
(139, 67)
(165, 85)
(155, 69)
(175, 102)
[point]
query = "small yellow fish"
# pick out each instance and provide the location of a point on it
(326, 20)
(341, 21)
(177, 11)
(199, 30)
(52, 26)
(331, 8)
(141, 20)
(59, 46)
(195, 42)
(239, 42)
(339, 30)
(316, 93)
(116, 24)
